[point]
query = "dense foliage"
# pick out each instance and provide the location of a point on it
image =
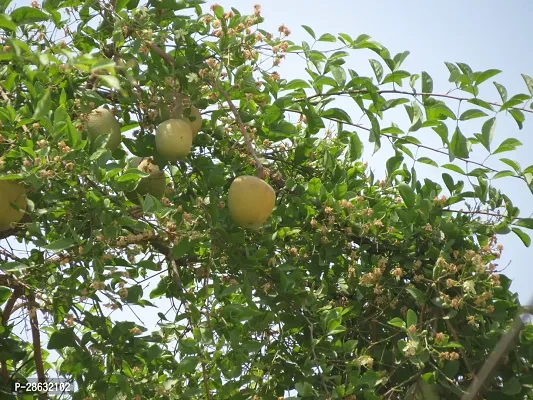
(357, 286)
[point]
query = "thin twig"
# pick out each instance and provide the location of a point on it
(461, 350)
(242, 128)
(402, 92)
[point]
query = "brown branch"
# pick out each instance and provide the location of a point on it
(242, 128)
(461, 350)
(162, 54)
(497, 354)
(16, 228)
(8, 309)
(490, 214)
(36, 341)
(206, 382)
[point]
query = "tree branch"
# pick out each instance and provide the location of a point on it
(36, 341)
(497, 354)
(403, 92)
(242, 128)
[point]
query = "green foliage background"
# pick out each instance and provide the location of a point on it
(357, 287)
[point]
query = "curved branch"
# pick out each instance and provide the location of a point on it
(242, 128)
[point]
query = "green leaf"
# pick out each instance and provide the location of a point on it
(394, 163)
(426, 160)
(309, 31)
(471, 114)
(487, 132)
(487, 75)
(337, 114)
(43, 106)
(314, 186)
(28, 15)
(459, 144)
(340, 190)
(502, 91)
(524, 237)
(412, 319)
(507, 145)
(377, 68)
(355, 151)
(7, 23)
(518, 116)
(427, 83)
(111, 81)
(454, 168)
(512, 387)
(339, 75)
(397, 322)
(529, 83)
(327, 37)
(408, 195)
(417, 294)
(515, 101)
(13, 266)
(481, 103)
(62, 338)
(304, 389)
(503, 174)
(525, 223)
(297, 84)
(60, 245)
(513, 164)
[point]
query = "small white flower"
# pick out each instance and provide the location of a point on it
(180, 34)
(410, 349)
(192, 77)
(469, 287)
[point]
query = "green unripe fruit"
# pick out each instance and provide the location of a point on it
(154, 184)
(101, 121)
(11, 192)
(173, 139)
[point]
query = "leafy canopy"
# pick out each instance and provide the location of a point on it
(357, 286)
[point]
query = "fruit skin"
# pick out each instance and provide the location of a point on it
(11, 192)
(180, 108)
(250, 201)
(102, 121)
(155, 184)
(173, 139)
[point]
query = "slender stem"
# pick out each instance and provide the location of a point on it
(242, 128)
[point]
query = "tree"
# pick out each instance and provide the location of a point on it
(357, 286)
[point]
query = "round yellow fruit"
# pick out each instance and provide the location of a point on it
(155, 184)
(11, 192)
(250, 201)
(173, 139)
(102, 121)
(190, 114)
